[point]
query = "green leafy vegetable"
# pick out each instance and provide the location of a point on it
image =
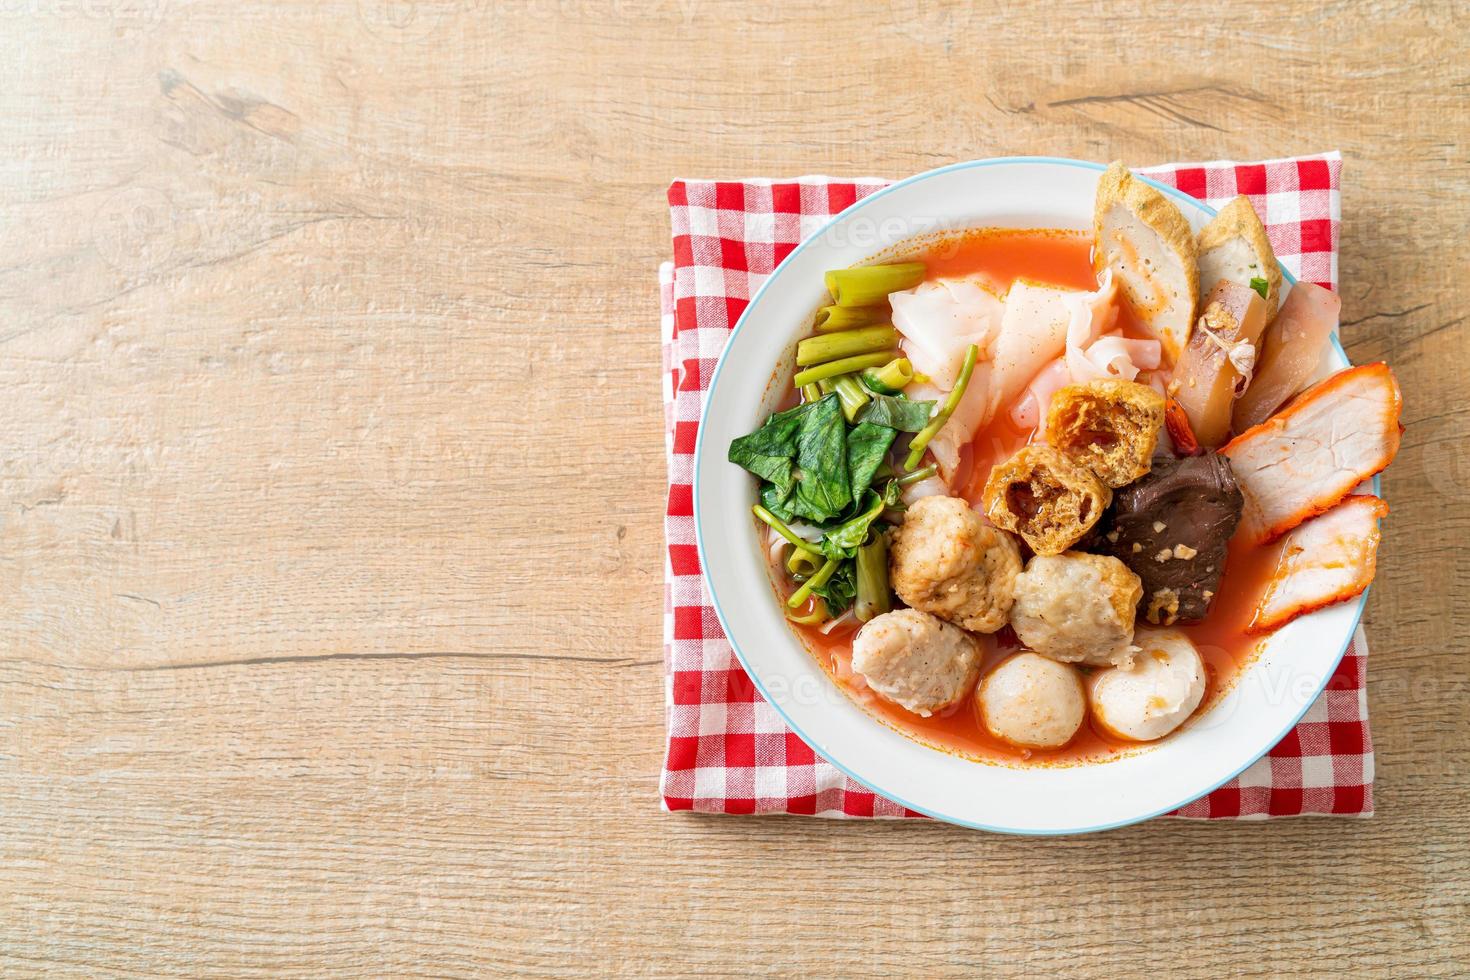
(871, 576)
(867, 445)
(1261, 286)
(918, 476)
(854, 396)
(845, 317)
(831, 369)
(840, 590)
(826, 347)
(896, 412)
(823, 487)
(803, 564)
(844, 540)
(817, 467)
(871, 284)
(768, 451)
(801, 545)
(777, 500)
(817, 581)
(819, 614)
(891, 378)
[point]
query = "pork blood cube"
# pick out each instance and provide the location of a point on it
(1171, 529)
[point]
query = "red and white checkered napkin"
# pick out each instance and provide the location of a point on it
(729, 751)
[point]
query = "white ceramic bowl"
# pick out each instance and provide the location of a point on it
(1214, 747)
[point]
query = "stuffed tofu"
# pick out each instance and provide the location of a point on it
(1144, 239)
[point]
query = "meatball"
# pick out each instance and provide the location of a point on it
(947, 561)
(1075, 608)
(916, 660)
(1032, 702)
(1164, 686)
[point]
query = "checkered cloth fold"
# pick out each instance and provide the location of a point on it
(728, 750)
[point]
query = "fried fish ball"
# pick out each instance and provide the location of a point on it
(947, 561)
(1032, 702)
(1077, 608)
(1110, 426)
(1047, 499)
(916, 660)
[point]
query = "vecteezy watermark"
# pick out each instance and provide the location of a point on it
(404, 21)
(936, 235)
(136, 230)
(125, 13)
(1440, 441)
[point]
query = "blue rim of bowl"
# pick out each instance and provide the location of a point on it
(755, 677)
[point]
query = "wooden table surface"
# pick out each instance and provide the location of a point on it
(331, 478)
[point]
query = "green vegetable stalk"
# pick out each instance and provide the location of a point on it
(845, 366)
(871, 284)
(818, 615)
(872, 579)
(916, 448)
(918, 476)
(891, 378)
(780, 528)
(803, 564)
(830, 318)
(817, 580)
(852, 394)
(834, 346)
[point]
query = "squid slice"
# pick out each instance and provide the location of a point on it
(1030, 409)
(1093, 353)
(1092, 356)
(1290, 351)
(1032, 332)
(1303, 460)
(1219, 359)
(1144, 239)
(1327, 560)
(1044, 323)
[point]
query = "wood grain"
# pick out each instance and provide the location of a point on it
(331, 481)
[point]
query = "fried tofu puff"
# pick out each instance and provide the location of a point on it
(947, 561)
(1110, 426)
(1077, 608)
(1045, 497)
